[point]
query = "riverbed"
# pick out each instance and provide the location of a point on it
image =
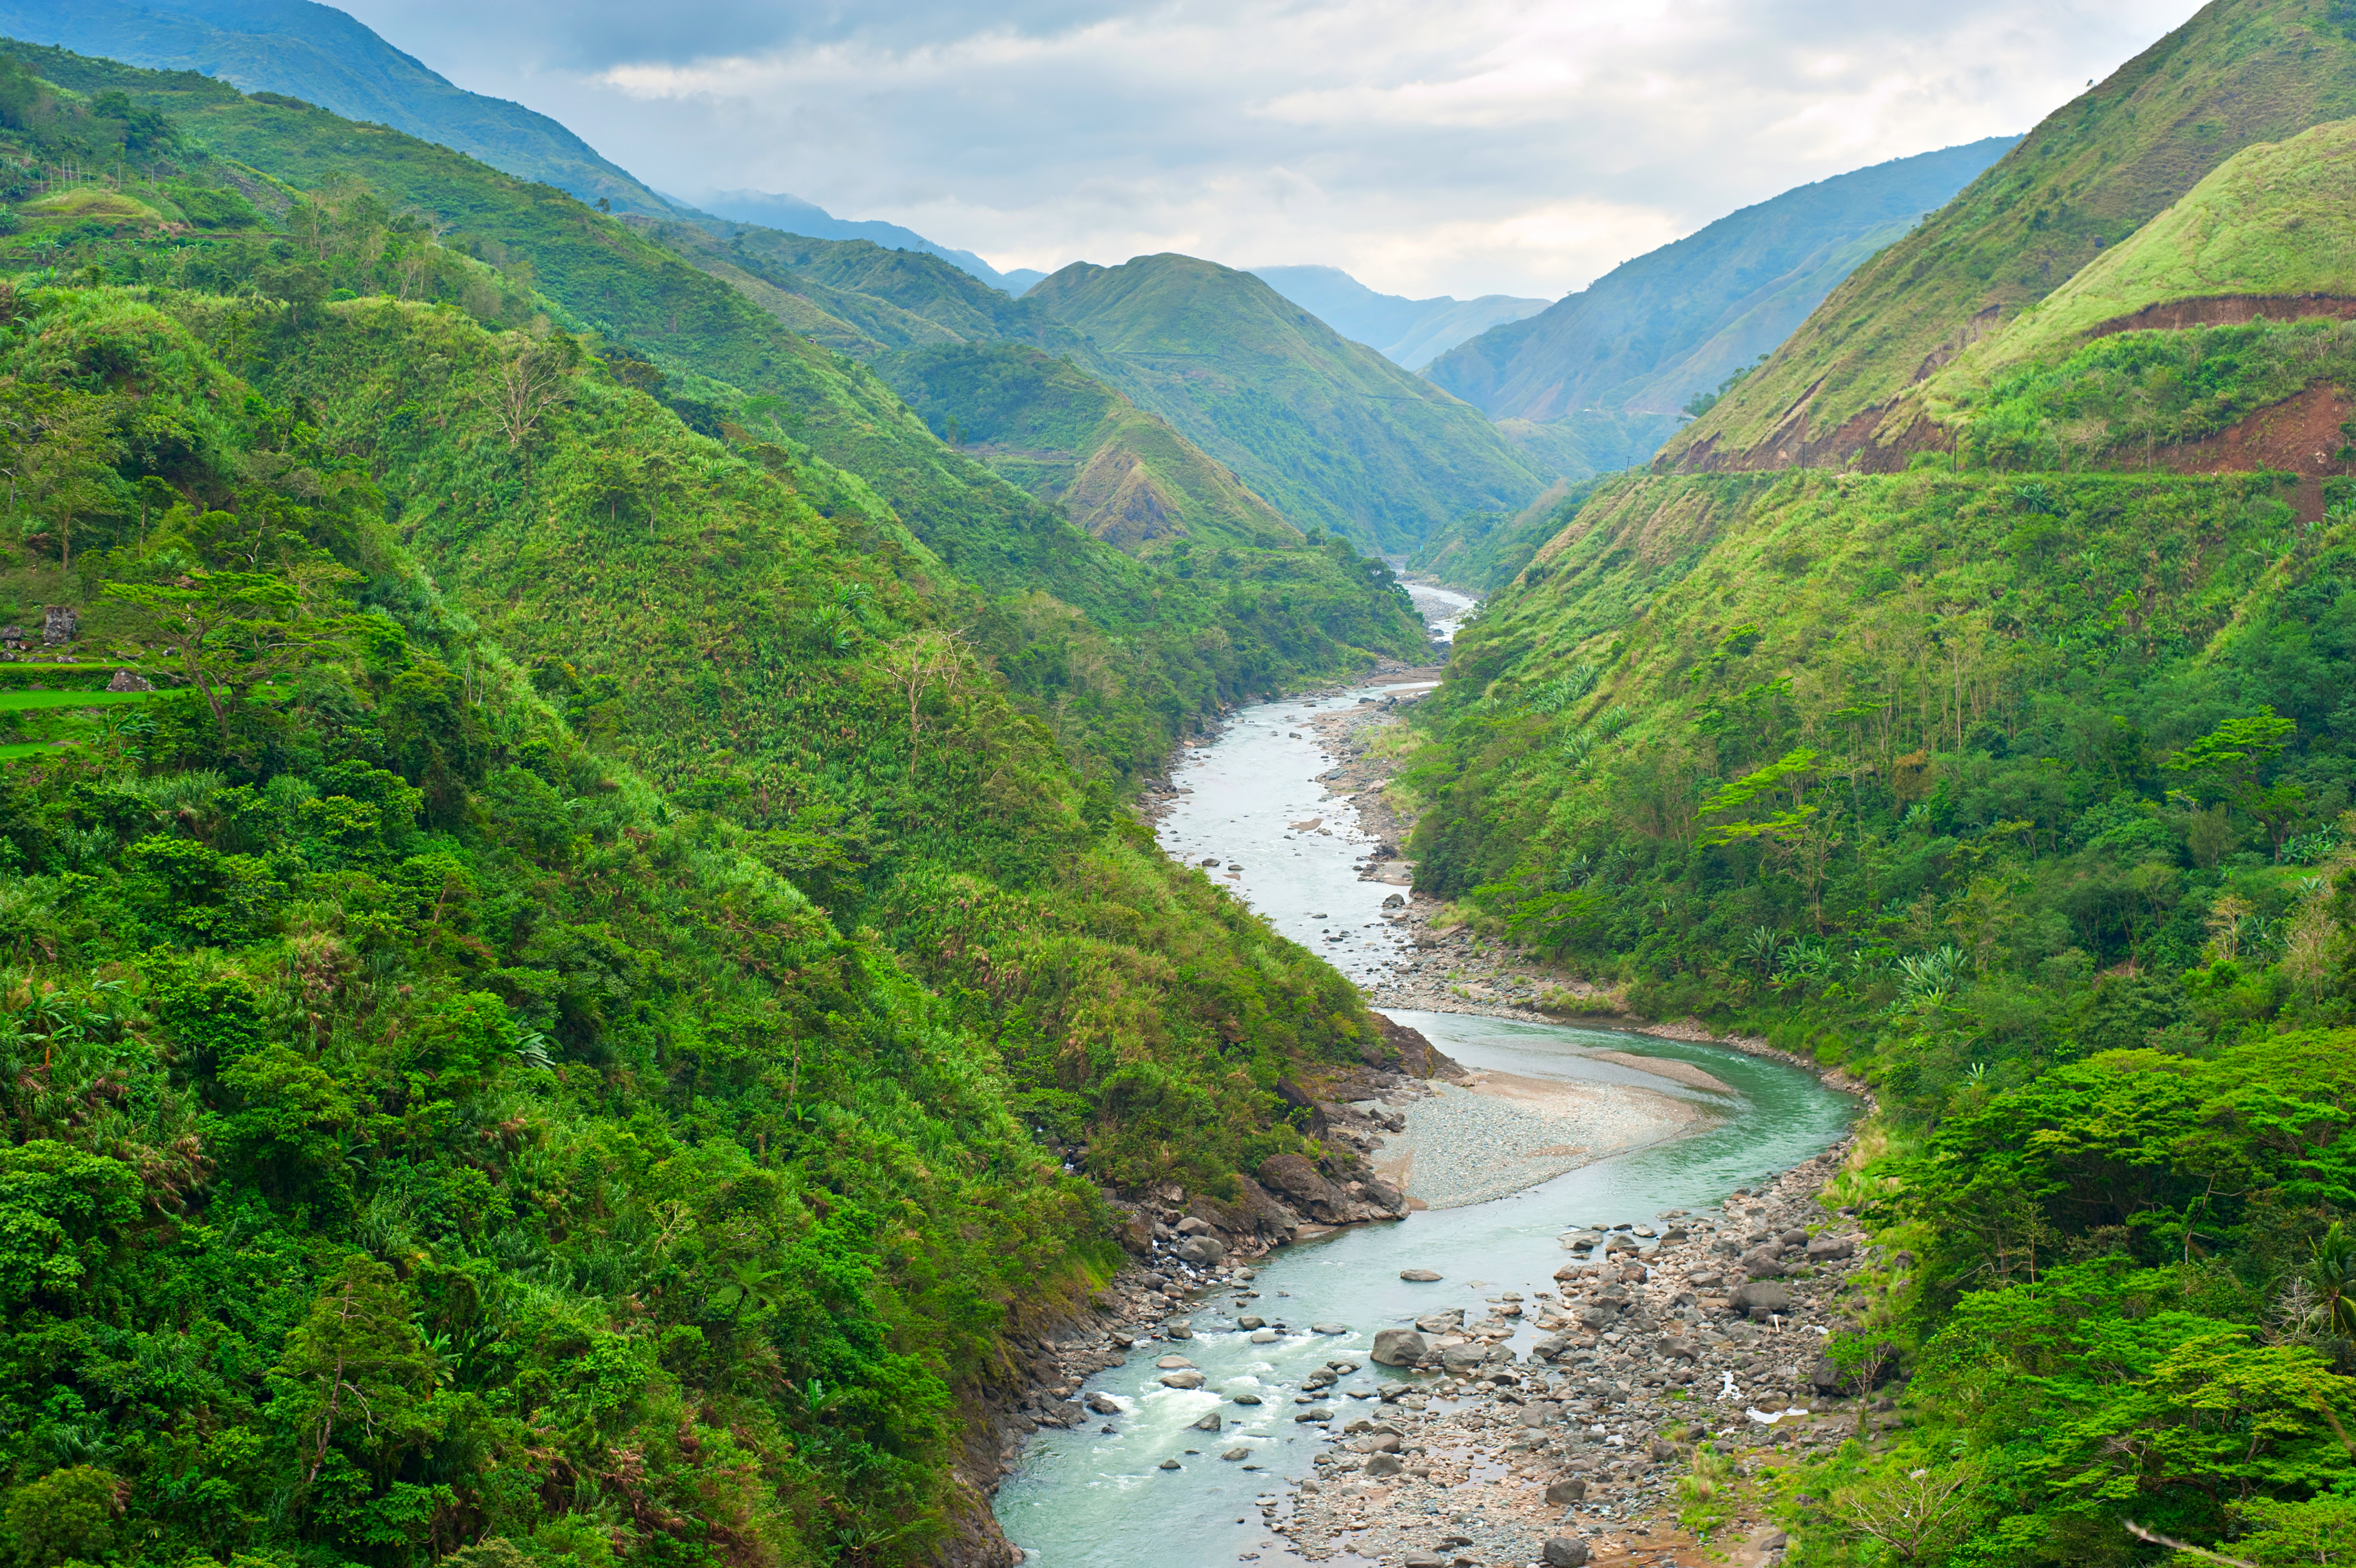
(1251, 802)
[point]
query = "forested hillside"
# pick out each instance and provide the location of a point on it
(2019, 783)
(1332, 434)
(578, 978)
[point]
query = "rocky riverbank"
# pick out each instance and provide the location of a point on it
(1691, 1351)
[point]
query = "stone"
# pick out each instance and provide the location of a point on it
(124, 681)
(1663, 1450)
(1264, 1336)
(1294, 1176)
(1316, 1413)
(1172, 1363)
(1183, 1328)
(1399, 1348)
(1182, 1380)
(1245, 1396)
(1194, 1225)
(1207, 1252)
(59, 623)
(1566, 1492)
(1208, 1423)
(1236, 1454)
(1251, 1322)
(1709, 1281)
(1761, 1299)
(1103, 1404)
(1329, 1329)
(1426, 1559)
(1172, 1465)
(1569, 1272)
(1418, 1276)
(1384, 1464)
(1829, 1247)
(1564, 1551)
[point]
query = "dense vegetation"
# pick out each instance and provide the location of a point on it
(586, 994)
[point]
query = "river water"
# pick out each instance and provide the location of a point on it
(1086, 1500)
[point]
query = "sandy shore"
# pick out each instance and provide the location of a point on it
(1497, 1132)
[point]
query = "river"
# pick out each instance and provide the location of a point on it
(1084, 1499)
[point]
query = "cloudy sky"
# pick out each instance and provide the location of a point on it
(1516, 146)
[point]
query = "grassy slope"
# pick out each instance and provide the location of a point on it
(1655, 330)
(813, 401)
(1049, 427)
(1332, 434)
(1482, 553)
(2089, 176)
(2275, 217)
(1591, 442)
(318, 54)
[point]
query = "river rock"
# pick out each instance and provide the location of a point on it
(1236, 1454)
(1294, 1176)
(1566, 1492)
(1329, 1329)
(1426, 1559)
(1182, 1380)
(1206, 1251)
(1172, 1465)
(1251, 1322)
(1179, 1328)
(1761, 1263)
(1418, 1276)
(1316, 1413)
(1825, 1248)
(1103, 1404)
(1761, 1299)
(1384, 1464)
(1245, 1396)
(1172, 1363)
(1564, 1551)
(1208, 1423)
(1399, 1348)
(1264, 1336)
(1707, 1280)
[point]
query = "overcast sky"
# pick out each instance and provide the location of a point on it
(1477, 148)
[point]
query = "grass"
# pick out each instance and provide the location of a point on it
(24, 702)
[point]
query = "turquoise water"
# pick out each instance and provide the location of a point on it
(1084, 1497)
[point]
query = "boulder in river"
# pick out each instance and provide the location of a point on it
(1399, 1348)
(1103, 1404)
(1188, 1379)
(1329, 1329)
(1172, 1363)
(1418, 1276)
(1205, 1251)
(1236, 1454)
(1173, 1465)
(1264, 1336)
(1208, 1423)
(1245, 1396)
(1315, 1413)
(1180, 1328)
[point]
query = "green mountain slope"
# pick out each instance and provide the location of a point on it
(380, 1037)
(791, 215)
(321, 55)
(1332, 434)
(968, 357)
(2089, 176)
(1654, 332)
(724, 362)
(1405, 331)
(1118, 472)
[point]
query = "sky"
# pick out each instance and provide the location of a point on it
(1487, 147)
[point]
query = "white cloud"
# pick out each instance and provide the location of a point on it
(1500, 146)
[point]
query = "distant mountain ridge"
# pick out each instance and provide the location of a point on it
(1652, 332)
(1407, 332)
(792, 215)
(322, 55)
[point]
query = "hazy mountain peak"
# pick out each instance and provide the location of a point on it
(1410, 332)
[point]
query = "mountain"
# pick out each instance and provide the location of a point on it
(2088, 177)
(321, 55)
(1406, 331)
(794, 216)
(2000, 758)
(1331, 432)
(1014, 389)
(590, 930)
(1652, 332)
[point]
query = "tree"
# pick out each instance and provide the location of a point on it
(357, 1365)
(534, 375)
(62, 448)
(2227, 763)
(230, 632)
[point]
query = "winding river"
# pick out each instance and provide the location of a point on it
(1082, 1497)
